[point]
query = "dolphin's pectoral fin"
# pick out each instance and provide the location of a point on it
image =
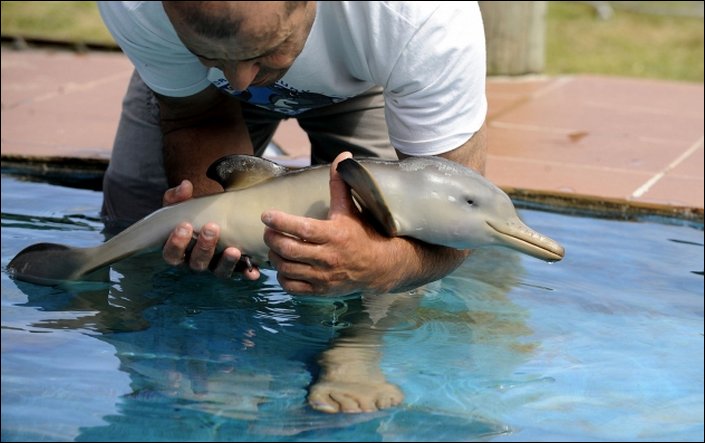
(242, 171)
(367, 193)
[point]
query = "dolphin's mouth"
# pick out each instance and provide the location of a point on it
(516, 235)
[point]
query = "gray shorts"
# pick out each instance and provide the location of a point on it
(135, 181)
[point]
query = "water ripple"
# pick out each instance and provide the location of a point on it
(72, 222)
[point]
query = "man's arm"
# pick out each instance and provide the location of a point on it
(472, 153)
(197, 131)
(343, 254)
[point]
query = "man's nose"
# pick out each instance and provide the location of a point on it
(241, 74)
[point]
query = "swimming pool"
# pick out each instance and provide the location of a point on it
(605, 345)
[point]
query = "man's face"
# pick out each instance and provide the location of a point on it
(267, 41)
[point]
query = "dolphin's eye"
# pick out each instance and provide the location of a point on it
(470, 202)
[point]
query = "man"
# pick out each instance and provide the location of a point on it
(388, 79)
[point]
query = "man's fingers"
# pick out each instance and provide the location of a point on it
(178, 194)
(304, 228)
(199, 252)
(251, 274)
(204, 250)
(309, 229)
(340, 198)
(292, 269)
(177, 243)
(295, 287)
(227, 262)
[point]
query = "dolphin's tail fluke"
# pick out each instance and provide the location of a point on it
(50, 263)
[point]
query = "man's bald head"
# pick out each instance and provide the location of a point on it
(223, 19)
(253, 43)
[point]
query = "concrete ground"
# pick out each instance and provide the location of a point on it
(577, 140)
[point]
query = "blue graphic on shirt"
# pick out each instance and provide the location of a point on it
(279, 97)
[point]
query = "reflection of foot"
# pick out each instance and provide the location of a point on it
(352, 381)
(349, 396)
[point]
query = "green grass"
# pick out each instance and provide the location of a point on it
(63, 21)
(578, 42)
(628, 44)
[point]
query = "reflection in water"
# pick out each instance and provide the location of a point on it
(226, 358)
(610, 338)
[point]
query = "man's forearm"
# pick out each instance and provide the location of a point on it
(189, 151)
(426, 263)
(197, 131)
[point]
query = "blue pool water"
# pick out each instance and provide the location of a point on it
(605, 345)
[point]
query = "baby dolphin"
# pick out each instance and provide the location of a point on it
(430, 199)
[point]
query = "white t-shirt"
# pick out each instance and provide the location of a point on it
(428, 56)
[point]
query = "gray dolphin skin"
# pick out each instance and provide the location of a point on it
(427, 198)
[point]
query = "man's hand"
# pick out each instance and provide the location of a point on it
(201, 254)
(337, 256)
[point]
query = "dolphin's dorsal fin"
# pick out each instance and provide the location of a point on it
(242, 171)
(368, 194)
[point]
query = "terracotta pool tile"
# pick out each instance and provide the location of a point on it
(61, 103)
(292, 139)
(505, 94)
(584, 105)
(516, 87)
(90, 101)
(616, 122)
(563, 178)
(496, 105)
(31, 75)
(59, 135)
(675, 191)
(45, 128)
(692, 164)
(627, 152)
(676, 98)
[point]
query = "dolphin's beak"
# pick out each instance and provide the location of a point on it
(516, 235)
